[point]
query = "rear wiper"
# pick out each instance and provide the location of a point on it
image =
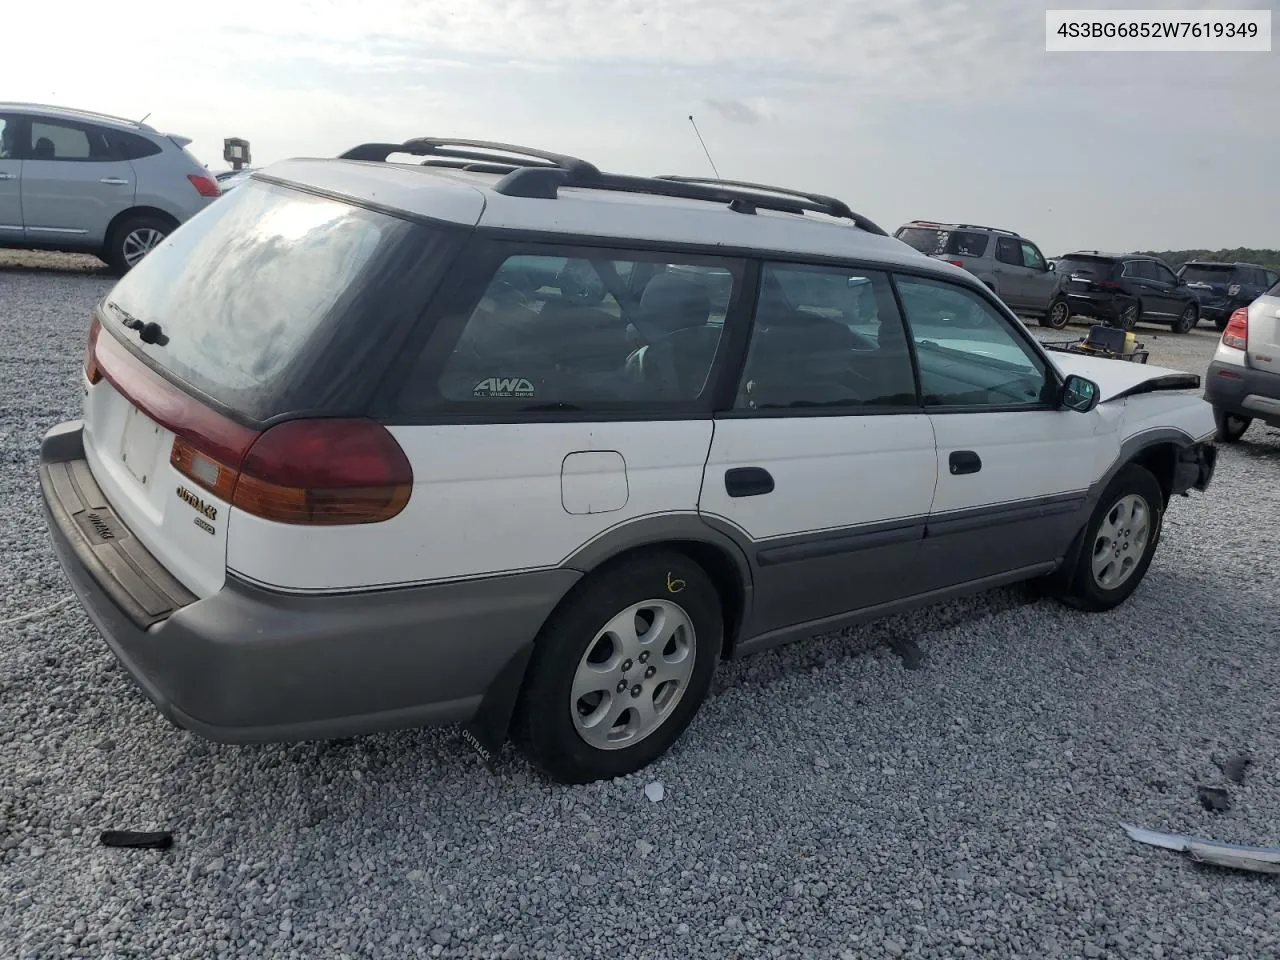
(147, 332)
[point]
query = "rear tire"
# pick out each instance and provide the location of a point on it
(1119, 542)
(1059, 315)
(1230, 427)
(132, 239)
(1187, 320)
(1130, 315)
(598, 700)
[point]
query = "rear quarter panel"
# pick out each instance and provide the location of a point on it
(488, 499)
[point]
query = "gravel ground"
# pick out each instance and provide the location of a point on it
(826, 802)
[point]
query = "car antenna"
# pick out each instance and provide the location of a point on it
(144, 119)
(704, 147)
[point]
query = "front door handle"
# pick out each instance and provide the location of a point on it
(964, 461)
(8, 176)
(748, 482)
(115, 181)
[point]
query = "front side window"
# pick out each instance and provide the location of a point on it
(571, 332)
(67, 141)
(1164, 274)
(969, 355)
(1031, 258)
(826, 337)
(8, 139)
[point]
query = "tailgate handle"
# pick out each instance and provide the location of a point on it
(964, 461)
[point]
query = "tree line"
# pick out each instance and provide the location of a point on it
(1176, 258)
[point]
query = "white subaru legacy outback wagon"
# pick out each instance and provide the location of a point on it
(495, 437)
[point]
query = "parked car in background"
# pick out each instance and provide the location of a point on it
(1222, 288)
(85, 182)
(271, 510)
(1009, 264)
(1243, 382)
(1122, 289)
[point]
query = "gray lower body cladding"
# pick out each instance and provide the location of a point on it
(249, 664)
(1244, 391)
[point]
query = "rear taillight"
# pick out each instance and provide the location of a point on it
(1237, 332)
(92, 372)
(316, 472)
(207, 186)
(956, 263)
(1109, 285)
(325, 472)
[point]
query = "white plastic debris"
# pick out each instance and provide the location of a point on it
(655, 791)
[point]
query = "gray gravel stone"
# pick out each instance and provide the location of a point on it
(967, 809)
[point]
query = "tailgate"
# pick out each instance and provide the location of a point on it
(1264, 334)
(181, 524)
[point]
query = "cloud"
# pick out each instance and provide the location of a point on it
(738, 111)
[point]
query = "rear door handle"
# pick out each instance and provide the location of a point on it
(748, 482)
(8, 176)
(116, 181)
(964, 461)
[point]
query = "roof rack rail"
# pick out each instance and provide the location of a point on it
(539, 174)
(477, 150)
(978, 226)
(821, 203)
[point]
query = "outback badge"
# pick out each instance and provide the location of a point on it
(207, 509)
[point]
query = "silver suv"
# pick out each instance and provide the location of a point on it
(85, 182)
(1009, 264)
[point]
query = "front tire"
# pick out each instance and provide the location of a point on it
(1186, 320)
(134, 238)
(620, 669)
(1230, 427)
(1119, 542)
(1059, 315)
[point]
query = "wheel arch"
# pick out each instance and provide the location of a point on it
(138, 211)
(716, 551)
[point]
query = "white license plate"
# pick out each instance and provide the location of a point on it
(140, 444)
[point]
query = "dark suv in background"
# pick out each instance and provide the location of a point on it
(1222, 288)
(1120, 289)
(1009, 264)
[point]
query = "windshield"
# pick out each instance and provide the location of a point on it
(942, 242)
(1199, 273)
(250, 290)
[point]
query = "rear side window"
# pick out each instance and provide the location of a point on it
(58, 140)
(939, 242)
(578, 330)
(1199, 273)
(129, 146)
(826, 337)
(270, 296)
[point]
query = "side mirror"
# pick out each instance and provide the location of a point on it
(1079, 394)
(1053, 267)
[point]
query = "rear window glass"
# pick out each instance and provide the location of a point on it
(252, 289)
(569, 332)
(1196, 273)
(1085, 267)
(936, 242)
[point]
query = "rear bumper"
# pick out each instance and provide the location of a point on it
(1099, 306)
(249, 664)
(1243, 391)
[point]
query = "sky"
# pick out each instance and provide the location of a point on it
(903, 108)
